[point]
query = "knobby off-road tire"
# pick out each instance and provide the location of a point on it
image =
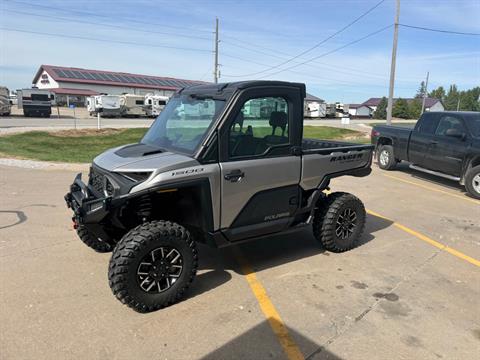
(386, 158)
(472, 182)
(153, 265)
(91, 241)
(339, 221)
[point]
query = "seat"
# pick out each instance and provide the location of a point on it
(278, 119)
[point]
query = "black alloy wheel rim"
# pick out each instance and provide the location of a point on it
(159, 270)
(346, 223)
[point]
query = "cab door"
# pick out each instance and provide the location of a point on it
(421, 139)
(448, 147)
(260, 174)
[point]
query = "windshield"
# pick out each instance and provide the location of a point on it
(473, 123)
(183, 123)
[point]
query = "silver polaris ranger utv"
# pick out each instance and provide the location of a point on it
(222, 164)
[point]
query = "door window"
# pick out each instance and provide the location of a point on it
(449, 123)
(261, 124)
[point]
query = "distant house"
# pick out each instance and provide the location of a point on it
(314, 107)
(431, 104)
(372, 103)
(359, 110)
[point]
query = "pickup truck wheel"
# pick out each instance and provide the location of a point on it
(472, 182)
(153, 265)
(91, 241)
(339, 221)
(386, 158)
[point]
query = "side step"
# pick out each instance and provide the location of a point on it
(431, 172)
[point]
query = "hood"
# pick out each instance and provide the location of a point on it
(142, 158)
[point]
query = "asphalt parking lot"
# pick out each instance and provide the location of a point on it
(410, 290)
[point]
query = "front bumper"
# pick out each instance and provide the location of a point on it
(87, 207)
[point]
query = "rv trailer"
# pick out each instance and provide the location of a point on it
(4, 101)
(132, 105)
(315, 109)
(154, 104)
(108, 105)
(35, 102)
(93, 105)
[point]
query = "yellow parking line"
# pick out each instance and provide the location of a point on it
(428, 240)
(463, 197)
(271, 314)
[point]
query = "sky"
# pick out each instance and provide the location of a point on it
(175, 39)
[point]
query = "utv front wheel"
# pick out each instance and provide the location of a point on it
(153, 265)
(93, 242)
(339, 221)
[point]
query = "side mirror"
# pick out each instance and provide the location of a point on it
(455, 134)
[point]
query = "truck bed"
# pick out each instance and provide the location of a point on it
(323, 160)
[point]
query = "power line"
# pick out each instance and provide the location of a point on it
(104, 16)
(318, 44)
(330, 52)
(337, 82)
(317, 65)
(107, 25)
(439, 30)
(103, 40)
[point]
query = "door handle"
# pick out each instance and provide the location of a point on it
(234, 175)
(433, 142)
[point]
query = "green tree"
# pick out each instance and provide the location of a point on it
(438, 93)
(451, 100)
(415, 108)
(400, 109)
(381, 110)
(470, 100)
(422, 90)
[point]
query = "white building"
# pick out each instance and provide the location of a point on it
(431, 104)
(359, 110)
(73, 85)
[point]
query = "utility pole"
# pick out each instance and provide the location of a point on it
(392, 66)
(458, 103)
(425, 92)
(215, 67)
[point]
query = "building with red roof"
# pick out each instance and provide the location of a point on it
(73, 85)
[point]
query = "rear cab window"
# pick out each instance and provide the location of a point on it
(428, 124)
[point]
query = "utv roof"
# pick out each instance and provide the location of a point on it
(226, 89)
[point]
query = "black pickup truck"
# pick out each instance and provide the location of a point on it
(445, 144)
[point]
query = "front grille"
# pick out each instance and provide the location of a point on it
(96, 180)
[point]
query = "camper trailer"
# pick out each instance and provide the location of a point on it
(108, 105)
(154, 104)
(93, 105)
(35, 102)
(132, 105)
(4, 101)
(314, 109)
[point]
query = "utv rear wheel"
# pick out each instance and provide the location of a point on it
(472, 182)
(91, 241)
(339, 221)
(386, 158)
(153, 265)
